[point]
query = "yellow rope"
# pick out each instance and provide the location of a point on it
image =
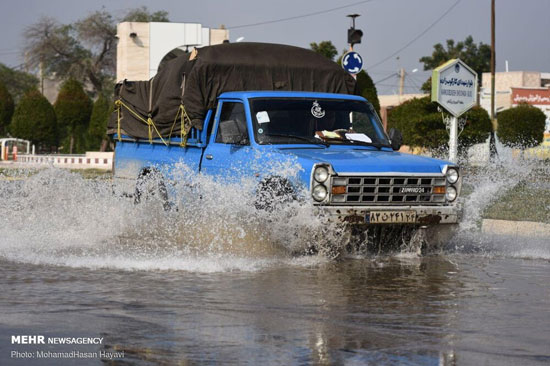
(182, 114)
(149, 122)
(117, 104)
(184, 131)
(173, 124)
(150, 131)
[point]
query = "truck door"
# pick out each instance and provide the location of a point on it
(229, 154)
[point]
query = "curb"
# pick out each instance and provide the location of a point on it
(518, 229)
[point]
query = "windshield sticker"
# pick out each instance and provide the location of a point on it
(317, 111)
(358, 137)
(260, 130)
(262, 117)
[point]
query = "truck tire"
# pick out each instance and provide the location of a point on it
(273, 192)
(150, 185)
(439, 236)
(376, 240)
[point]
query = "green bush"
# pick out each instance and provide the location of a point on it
(367, 90)
(521, 126)
(422, 125)
(34, 119)
(73, 109)
(477, 129)
(98, 123)
(365, 86)
(6, 108)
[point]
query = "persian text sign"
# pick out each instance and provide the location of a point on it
(531, 96)
(454, 87)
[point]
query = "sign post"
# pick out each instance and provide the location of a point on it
(454, 87)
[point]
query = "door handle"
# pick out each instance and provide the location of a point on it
(209, 157)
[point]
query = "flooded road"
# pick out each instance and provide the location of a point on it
(437, 310)
(217, 283)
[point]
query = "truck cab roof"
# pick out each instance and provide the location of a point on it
(287, 94)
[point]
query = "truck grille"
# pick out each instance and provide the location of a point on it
(388, 191)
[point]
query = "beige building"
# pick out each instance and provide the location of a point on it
(142, 46)
(504, 82)
(515, 87)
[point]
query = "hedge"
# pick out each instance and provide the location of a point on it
(521, 126)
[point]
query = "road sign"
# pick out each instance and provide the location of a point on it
(352, 62)
(454, 87)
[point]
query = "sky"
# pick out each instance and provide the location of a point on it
(397, 33)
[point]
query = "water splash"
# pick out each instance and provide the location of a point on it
(56, 217)
(486, 185)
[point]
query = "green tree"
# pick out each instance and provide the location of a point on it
(34, 119)
(84, 50)
(17, 82)
(6, 108)
(477, 56)
(97, 137)
(422, 125)
(367, 89)
(73, 109)
(365, 86)
(142, 14)
(325, 48)
(521, 126)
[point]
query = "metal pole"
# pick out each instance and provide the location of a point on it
(492, 143)
(351, 50)
(41, 70)
(352, 16)
(453, 140)
(401, 82)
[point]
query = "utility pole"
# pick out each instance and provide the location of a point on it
(492, 143)
(401, 82)
(41, 70)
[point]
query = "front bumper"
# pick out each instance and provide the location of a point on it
(425, 215)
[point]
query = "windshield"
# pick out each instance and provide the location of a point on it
(316, 121)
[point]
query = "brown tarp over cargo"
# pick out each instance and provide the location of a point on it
(214, 70)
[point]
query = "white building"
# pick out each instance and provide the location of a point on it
(142, 46)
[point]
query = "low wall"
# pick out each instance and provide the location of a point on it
(517, 229)
(90, 160)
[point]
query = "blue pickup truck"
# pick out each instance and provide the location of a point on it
(349, 164)
(243, 110)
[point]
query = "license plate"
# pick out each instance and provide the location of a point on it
(390, 217)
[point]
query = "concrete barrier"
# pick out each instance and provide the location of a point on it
(517, 229)
(90, 160)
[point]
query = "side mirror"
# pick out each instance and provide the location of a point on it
(396, 139)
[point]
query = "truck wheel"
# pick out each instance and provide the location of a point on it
(376, 240)
(273, 192)
(438, 236)
(150, 185)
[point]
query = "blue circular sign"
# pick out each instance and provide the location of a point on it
(352, 62)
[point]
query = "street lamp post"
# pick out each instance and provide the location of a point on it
(354, 35)
(492, 142)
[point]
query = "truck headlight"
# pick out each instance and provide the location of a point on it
(320, 174)
(452, 175)
(319, 193)
(451, 194)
